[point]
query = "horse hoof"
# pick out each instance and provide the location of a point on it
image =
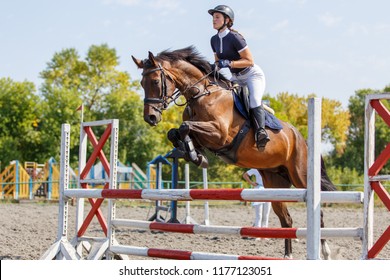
(203, 161)
(288, 257)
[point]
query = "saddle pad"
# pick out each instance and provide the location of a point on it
(270, 120)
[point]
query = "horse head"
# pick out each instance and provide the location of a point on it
(158, 87)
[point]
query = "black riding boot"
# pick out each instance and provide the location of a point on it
(258, 120)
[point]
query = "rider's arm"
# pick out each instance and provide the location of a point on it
(246, 59)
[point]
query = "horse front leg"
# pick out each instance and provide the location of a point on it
(209, 134)
(186, 145)
(191, 133)
(174, 136)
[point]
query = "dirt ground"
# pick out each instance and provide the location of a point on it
(29, 228)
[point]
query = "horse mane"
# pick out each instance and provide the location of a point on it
(191, 55)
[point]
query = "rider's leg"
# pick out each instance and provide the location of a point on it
(258, 120)
(256, 87)
(255, 81)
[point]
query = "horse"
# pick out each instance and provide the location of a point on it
(210, 122)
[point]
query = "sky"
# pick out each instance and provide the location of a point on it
(328, 47)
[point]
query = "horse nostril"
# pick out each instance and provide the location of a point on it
(152, 120)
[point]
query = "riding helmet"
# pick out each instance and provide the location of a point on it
(223, 9)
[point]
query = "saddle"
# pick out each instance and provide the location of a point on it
(241, 104)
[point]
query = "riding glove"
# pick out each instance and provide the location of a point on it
(224, 63)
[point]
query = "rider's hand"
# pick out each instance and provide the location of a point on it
(223, 63)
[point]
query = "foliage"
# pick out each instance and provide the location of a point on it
(105, 92)
(20, 110)
(345, 177)
(353, 157)
(335, 120)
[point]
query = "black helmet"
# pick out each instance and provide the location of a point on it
(223, 9)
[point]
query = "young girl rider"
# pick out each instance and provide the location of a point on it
(231, 51)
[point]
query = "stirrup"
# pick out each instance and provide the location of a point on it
(261, 138)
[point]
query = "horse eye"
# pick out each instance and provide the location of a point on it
(156, 82)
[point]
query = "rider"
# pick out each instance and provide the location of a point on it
(231, 51)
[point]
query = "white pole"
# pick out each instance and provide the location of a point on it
(369, 156)
(64, 183)
(187, 185)
(188, 219)
(206, 202)
(313, 197)
(113, 182)
(80, 201)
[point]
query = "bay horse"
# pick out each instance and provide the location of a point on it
(211, 122)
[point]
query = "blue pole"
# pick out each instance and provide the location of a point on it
(30, 184)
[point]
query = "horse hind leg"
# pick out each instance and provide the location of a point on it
(299, 180)
(275, 180)
(325, 249)
(280, 209)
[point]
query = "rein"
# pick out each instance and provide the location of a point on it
(164, 98)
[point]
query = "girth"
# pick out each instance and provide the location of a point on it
(229, 153)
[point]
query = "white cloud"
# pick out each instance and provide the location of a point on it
(329, 20)
(382, 29)
(320, 65)
(280, 25)
(300, 2)
(122, 2)
(107, 23)
(358, 29)
(164, 4)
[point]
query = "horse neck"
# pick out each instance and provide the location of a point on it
(189, 80)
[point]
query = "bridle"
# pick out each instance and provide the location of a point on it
(166, 99)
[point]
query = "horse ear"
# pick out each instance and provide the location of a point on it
(152, 58)
(138, 62)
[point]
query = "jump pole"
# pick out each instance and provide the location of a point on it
(206, 203)
(159, 161)
(250, 195)
(188, 219)
(313, 198)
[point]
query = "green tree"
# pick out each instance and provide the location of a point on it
(63, 81)
(292, 108)
(353, 157)
(106, 93)
(20, 111)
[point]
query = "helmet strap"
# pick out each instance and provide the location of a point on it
(224, 23)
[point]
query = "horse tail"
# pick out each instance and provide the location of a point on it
(326, 183)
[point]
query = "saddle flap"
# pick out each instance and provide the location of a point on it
(241, 103)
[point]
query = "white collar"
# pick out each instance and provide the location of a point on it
(223, 33)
